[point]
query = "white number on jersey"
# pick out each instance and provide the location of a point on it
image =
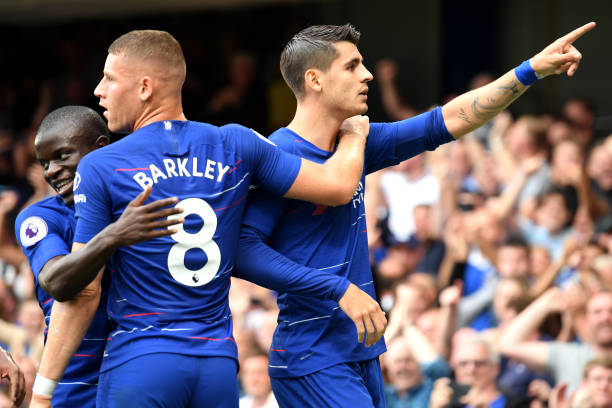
(202, 239)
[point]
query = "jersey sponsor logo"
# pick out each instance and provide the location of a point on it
(77, 181)
(167, 125)
(80, 198)
(358, 195)
(32, 230)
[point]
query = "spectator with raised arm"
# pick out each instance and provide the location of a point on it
(563, 360)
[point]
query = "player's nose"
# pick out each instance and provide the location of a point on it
(367, 75)
(98, 91)
(52, 170)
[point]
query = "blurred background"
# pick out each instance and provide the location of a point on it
(442, 226)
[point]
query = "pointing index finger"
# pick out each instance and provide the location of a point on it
(579, 32)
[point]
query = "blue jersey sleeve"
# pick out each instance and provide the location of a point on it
(390, 143)
(260, 264)
(40, 238)
(92, 201)
(273, 169)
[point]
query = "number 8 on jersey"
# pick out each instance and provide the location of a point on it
(202, 239)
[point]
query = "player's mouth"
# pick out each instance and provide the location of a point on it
(105, 113)
(364, 93)
(63, 187)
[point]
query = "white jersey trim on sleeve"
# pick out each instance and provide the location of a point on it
(259, 135)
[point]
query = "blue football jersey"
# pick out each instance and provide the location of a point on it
(170, 294)
(45, 230)
(312, 333)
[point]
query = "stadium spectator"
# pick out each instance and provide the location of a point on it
(412, 365)
(476, 366)
(594, 392)
(256, 382)
(565, 361)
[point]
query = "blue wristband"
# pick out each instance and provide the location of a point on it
(525, 74)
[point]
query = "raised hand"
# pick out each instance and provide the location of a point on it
(560, 56)
(386, 70)
(366, 313)
(450, 296)
(442, 394)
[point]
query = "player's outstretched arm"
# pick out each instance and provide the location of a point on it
(335, 181)
(67, 327)
(64, 276)
(473, 109)
(9, 369)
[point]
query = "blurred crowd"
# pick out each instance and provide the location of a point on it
(491, 255)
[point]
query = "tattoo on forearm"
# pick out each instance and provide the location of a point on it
(463, 115)
(485, 110)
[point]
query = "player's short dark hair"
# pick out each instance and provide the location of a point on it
(313, 47)
(155, 46)
(72, 119)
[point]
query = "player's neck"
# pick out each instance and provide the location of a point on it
(317, 126)
(164, 111)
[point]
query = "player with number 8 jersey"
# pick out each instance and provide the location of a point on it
(171, 293)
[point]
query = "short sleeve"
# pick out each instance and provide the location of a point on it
(40, 238)
(92, 202)
(273, 169)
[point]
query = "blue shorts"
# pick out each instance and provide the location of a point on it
(358, 385)
(170, 381)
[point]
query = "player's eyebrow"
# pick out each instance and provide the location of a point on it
(354, 60)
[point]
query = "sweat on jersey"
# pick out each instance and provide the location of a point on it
(169, 294)
(314, 333)
(45, 230)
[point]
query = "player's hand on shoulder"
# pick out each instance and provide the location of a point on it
(560, 56)
(358, 125)
(141, 222)
(366, 313)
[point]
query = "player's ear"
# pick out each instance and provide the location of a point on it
(146, 88)
(312, 80)
(102, 141)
